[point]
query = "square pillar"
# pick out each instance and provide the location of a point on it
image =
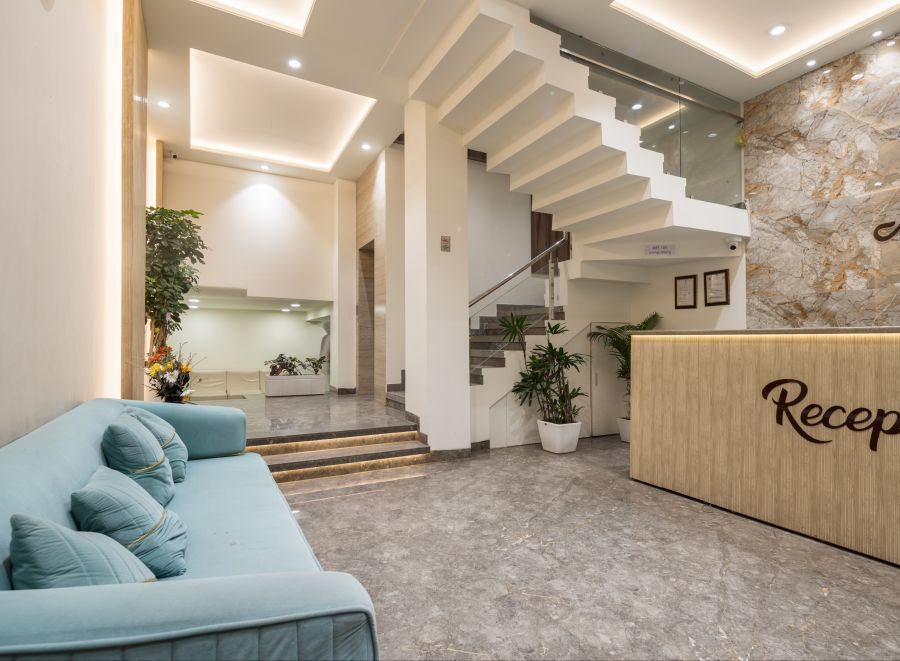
(437, 281)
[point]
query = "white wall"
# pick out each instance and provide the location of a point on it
(499, 228)
(243, 339)
(60, 208)
(268, 234)
(659, 296)
(343, 269)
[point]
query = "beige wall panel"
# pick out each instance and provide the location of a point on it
(702, 428)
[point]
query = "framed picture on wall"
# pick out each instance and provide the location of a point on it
(715, 288)
(685, 292)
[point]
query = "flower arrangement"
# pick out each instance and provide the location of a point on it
(170, 374)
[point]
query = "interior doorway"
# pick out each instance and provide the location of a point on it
(365, 320)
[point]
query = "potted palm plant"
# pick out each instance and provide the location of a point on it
(617, 340)
(544, 382)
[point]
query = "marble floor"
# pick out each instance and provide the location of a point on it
(315, 415)
(517, 553)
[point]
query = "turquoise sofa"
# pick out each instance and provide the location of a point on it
(253, 588)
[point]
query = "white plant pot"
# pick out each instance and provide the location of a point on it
(624, 429)
(292, 386)
(559, 438)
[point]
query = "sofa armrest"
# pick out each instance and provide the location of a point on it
(283, 615)
(208, 431)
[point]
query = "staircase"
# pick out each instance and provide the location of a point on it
(499, 81)
(486, 344)
(313, 456)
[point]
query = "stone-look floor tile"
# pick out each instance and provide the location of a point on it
(517, 553)
(318, 415)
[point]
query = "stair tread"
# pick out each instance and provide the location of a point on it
(342, 455)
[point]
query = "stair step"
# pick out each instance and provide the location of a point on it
(316, 463)
(288, 447)
(476, 379)
(396, 399)
(350, 484)
(494, 360)
(264, 445)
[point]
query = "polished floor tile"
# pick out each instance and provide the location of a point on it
(314, 415)
(517, 553)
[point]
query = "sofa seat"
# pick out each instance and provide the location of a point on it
(237, 523)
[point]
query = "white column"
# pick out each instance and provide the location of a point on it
(437, 282)
(343, 312)
(394, 251)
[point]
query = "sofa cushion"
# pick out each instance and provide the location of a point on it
(114, 505)
(48, 555)
(131, 449)
(169, 440)
(238, 520)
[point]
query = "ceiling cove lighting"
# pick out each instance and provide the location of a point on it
(744, 42)
(164, 104)
(231, 113)
(294, 63)
(290, 17)
(637, 106)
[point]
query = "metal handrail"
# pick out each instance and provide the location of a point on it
(519, 270)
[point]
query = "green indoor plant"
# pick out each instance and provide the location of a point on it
(174, 248)
(315, 364)
(282, 365)
(617, 340)
(544, 382)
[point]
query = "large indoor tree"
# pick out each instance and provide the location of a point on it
(174, 248)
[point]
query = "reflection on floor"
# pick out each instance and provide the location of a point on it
(315, 416)
(517, 553)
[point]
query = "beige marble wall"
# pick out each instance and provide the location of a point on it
(822, 170)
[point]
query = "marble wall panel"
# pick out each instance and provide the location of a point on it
(821, 171)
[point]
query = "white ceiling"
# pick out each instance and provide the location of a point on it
(225, 298)
(363, 47)
(724, 45)
(305, 124)
(289, 15)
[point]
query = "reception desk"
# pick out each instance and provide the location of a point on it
(799, 428)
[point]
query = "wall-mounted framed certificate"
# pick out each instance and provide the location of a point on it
(685, 292)
(715, 288)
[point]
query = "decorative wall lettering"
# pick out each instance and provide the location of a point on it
(884, 232)
(792, 392)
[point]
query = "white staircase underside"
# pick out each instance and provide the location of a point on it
(500, 82)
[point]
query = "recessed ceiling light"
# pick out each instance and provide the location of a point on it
(295, 305)
(264, 167)
(856, 76)
(640, 142)
(164, 104)
(683, 132)
(285, 309)
(712, 135)
(637, 106)
(366, 146)
(671, 126)
(826, 71)
(193, 300)
(877, 33)
(811, 63)
(652, 146)
(193, 307)
(878, 184)
(294, 63)
(890, 43)
(777, 30)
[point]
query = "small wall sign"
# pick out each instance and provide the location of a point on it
(715, 288)
(659, 249)
(445, 243)
(685, 292)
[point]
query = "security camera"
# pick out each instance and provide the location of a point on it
(733, 243)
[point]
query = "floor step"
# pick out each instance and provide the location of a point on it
(396, 399)
(309, 445)
(351, 484)
(339, 461)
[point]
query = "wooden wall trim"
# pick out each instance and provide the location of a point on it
(134, 196)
